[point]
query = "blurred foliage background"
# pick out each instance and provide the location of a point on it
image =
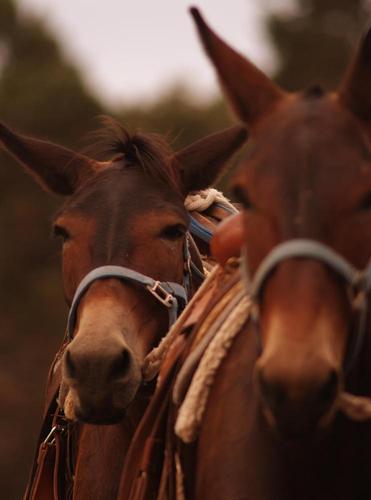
(42, 94)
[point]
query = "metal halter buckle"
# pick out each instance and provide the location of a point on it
(50, 438)
(161, 294)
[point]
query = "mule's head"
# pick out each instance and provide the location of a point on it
(308, 175)
(127, 212)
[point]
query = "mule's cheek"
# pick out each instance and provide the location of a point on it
(76, 250)
(76, 263)
(160, 259)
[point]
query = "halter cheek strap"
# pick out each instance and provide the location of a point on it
(171, 295)
(200, 230)
(203, 232)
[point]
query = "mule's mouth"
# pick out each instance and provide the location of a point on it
(297, 426)
(109, 417)
(99, 407)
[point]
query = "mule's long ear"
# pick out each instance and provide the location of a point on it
(355, 90)
(201, 163)
(56, 168)
(249, 91)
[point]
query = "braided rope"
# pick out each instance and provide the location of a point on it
(194, 405)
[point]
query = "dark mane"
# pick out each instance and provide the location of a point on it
(150, 152)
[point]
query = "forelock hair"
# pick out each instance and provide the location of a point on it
(147, 151)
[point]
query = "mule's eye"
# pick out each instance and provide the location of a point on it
(173, 232)
(61, 232)
(366, 202)
(241, 197)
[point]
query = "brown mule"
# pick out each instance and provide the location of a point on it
(271, 430)
(129, 212)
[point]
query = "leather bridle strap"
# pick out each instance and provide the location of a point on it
(359, 281)
(172, 295)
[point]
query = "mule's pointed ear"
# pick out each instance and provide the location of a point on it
(201, 163)
(57, 169)
(355, 90)
(250, 92)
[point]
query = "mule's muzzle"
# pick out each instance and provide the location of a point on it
(298, 406)
(112, 366)
(103, 383)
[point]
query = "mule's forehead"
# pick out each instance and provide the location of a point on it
(309, 125)
(124, 191)
(117, 213)
(308, 169)
(309, 144)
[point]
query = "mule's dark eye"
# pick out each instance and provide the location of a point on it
(240, 196)
(173, 232)
(366, 202)
(61, 232)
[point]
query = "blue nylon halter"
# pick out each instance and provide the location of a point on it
(202, 232)
(171, 295)
(359, 281)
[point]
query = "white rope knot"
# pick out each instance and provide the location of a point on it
(202, 200)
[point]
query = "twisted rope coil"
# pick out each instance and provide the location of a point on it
(201, 200)
(193, 407)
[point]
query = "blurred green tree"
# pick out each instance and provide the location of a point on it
(314, 39)
(178, 115)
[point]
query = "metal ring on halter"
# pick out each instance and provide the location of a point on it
(359, 281)
(172, 295)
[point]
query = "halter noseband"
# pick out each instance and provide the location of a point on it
(171, 295)
(359, 281)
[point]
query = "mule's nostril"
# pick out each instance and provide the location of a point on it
(121, 365)
(69, 364)
(273, 393)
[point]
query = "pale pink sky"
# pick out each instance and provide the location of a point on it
(133, 49)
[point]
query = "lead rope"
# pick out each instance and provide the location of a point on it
(193, 407)
(356, 408)
(154, 358)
